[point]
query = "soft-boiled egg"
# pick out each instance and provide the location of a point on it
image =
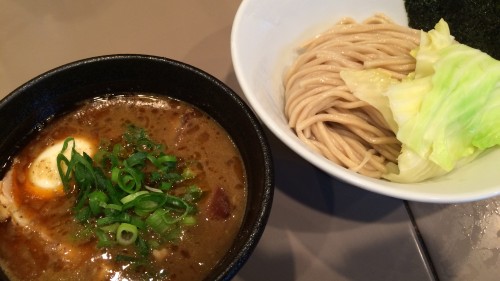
(43, 176)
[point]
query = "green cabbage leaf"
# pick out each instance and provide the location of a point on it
(445, 113)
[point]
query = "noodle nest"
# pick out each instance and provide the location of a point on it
(325, 114)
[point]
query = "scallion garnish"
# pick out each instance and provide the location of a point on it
(126, 234)
(130, 188)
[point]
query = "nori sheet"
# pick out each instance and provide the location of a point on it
(475, 23)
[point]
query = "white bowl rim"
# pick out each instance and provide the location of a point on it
(374, 185)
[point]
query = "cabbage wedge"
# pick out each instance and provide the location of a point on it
(445, 113)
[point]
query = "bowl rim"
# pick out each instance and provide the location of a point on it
(234, 259)
(373, 185)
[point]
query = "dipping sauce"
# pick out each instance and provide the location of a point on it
(42, 239)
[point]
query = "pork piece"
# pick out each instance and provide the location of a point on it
(186, 125)
(47, 237)
(4, 202)
(10, 208)
(7, 206)
(220, 206)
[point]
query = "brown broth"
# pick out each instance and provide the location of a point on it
(48, 247)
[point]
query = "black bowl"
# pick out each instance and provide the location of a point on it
(24, 112)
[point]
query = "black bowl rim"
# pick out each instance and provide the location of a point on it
(259, 225)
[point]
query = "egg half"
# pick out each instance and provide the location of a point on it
(43, 176)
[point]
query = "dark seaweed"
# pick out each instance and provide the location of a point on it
(475, 23)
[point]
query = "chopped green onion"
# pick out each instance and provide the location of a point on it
(105, 184)
(152, 189)
(176, 203)
(126, 234)
(133, 196)
(153, 244)
(193, 193)
(128, 179)
(163, 161)
(166, 185)
(136, 159)
(121, 217)
(188, 173)
(103, 239)
(130, 188)
(138, 221)
(160, 221)
(189, 220)
(62, 159)
(142, 247)
(96, 200)
(147, 203)
(110, 227)
(113, 207)
(83, 214)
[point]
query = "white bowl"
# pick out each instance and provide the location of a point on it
(263, 39)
